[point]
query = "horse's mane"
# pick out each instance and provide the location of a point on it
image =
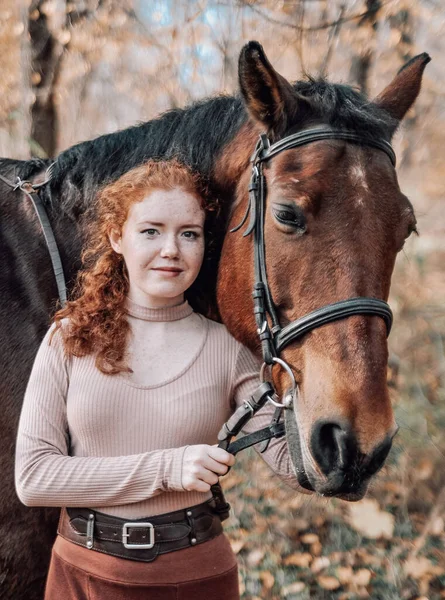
(196, 135)
(344, 107)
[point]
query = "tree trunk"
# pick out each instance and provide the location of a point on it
(46, 29)
(366, 34)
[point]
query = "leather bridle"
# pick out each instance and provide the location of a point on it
(273, 336)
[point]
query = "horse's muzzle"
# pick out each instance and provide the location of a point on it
(345, 471)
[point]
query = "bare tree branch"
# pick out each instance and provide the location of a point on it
(335, 32)
(320, 27)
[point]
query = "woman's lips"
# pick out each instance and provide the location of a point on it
(168, 271)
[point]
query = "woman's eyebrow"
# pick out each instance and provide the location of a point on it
(148, 222)
(161, 224)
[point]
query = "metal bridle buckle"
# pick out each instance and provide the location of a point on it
(288, 370)
(138, 525)
(263, 328)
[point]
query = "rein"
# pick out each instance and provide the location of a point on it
(31, 190)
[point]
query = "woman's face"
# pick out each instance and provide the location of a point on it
(162, 243)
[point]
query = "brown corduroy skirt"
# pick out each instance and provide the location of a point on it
(207, 571)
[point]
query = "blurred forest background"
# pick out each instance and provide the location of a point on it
(72, 70)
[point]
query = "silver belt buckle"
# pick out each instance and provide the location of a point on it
(138, 525)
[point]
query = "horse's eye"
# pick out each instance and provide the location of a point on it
(285, 215)
(288, 216)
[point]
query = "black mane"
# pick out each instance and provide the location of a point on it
(196, 135)
(344, 107)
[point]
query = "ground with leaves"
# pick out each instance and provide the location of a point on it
(389, 546)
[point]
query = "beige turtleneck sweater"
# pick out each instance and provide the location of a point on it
(116, 442)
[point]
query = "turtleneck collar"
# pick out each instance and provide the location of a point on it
(167, 313)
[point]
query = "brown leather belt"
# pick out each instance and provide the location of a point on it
(140, 539)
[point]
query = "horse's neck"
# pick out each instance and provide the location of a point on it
(234, 158)
(69, 236)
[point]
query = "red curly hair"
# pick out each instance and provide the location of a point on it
(97, 318)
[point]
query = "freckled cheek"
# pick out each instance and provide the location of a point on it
(192, 260)
(139, 259)
(197, 257)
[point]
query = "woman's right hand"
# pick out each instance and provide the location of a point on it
(202, 465)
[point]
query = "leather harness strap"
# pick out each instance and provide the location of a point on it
(330, 313)
(32, 192)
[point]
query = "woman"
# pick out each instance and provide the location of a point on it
(127, 394)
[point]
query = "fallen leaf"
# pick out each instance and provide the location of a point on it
(345, 575)
(242, 587)
(301, 524)
(393, 486)
(309, 538)
(232, 480)
(316, 549)
(237, 545)
(293, 588)
(336, 557)
(367, 518)
(299, 559)
(320, 563)
(437, 526)
(255, 557)
(296, 503)
(252, 493)
(328, 583)
(424, 469)
(367, 558)
(418, 567)
(319, 521)
(268, 579)
(362, 577)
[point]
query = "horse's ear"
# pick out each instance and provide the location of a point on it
(270, 99)
(398, 97)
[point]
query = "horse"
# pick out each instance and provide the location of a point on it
(334, 221)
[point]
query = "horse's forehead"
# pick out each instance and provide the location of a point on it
(321, 166)
(358, 174)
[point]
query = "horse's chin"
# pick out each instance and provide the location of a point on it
(309, 486)
(309, 482)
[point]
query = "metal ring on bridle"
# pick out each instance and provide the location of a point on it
(288, 370)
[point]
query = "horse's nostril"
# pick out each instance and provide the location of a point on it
(378, 457)
(331, 446)
(334, 448)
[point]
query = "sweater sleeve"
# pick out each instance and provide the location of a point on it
(245, 381)
(45, 473)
